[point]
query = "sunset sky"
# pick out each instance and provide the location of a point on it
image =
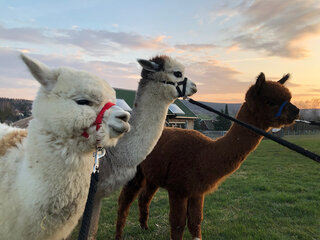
(223, 44)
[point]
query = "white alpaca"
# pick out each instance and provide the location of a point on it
(157, 89)
(44, 176)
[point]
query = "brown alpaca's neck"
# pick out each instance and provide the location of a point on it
(239, 141)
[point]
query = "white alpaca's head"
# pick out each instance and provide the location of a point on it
(68, 102)
(169, 75)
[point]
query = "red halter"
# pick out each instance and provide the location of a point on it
(99, 118)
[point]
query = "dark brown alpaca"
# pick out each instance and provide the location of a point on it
(190, 165)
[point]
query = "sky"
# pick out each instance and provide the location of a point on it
(224, 45)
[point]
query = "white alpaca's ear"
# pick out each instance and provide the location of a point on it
(148, 65)
(45, 76)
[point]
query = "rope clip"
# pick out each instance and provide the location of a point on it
(99, 153)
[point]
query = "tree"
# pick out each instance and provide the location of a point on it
(221, 123)
(6, 114)
(10, 107)
(227, 122)
(197, 125)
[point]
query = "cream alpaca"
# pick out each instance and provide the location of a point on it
(44, 176)
(154, 95)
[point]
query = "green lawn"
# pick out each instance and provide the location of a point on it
(274, 195)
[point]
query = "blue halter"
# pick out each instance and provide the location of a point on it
(278, 114)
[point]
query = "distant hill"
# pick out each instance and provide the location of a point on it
(204, 114)
(14, 109)
(310, 114)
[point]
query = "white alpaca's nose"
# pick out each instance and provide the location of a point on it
(192, 89)
(118, 122)
(123, 116)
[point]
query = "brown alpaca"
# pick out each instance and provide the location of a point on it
(190, 165)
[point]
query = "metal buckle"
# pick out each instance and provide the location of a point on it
(99, 153)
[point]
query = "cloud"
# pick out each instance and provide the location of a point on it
(121, 75)
(29, 35)
(316, 90)
(290, 84)
(18, 93)
(215, 78)
(233, 48)
(276, 27)
(14, 74)
(311, 103)
(93, 42)
(196, 47)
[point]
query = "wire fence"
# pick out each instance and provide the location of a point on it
(213, 134)
(297, 132)
(281, 133)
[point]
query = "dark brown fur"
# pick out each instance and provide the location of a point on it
(189, 164)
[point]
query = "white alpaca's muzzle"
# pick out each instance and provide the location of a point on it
(99, 118)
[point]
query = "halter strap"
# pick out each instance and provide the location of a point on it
(278, 114)
(99, 118)
(176, 84)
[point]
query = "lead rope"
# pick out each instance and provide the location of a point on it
(86, 219)
(99, 153)
(281, 141)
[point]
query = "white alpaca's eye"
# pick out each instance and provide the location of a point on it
(178, 74)
(84, 102)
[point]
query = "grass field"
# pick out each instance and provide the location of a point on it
(274, 195)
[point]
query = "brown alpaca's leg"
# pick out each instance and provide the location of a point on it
(177, 217)
(195, 216)
(128, 194)
(145, 198)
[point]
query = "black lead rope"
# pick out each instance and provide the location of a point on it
(281, 141)
(86, 219)
(85, 225)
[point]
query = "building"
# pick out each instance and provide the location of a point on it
(207, 125)
(178, 114)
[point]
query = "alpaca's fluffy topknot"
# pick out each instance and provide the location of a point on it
(160, 60)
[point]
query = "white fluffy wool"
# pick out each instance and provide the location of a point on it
(44, 179)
